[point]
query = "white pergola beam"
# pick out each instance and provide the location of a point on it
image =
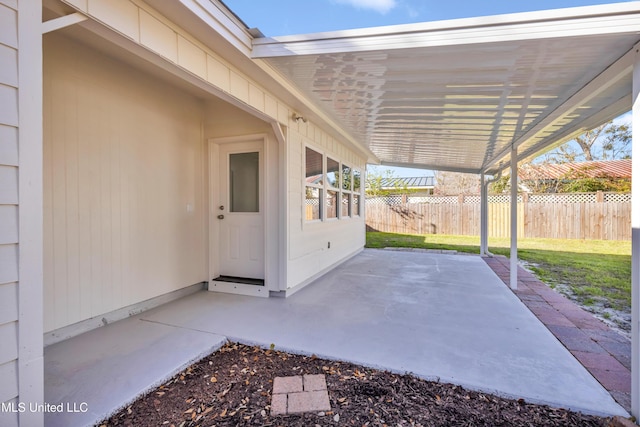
(591, 20)
(62, 22)
(635, 241)
(618, 70)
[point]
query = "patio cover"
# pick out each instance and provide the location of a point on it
(457, 95)
(476, 95)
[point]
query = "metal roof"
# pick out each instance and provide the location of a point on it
(455, 95)
(594, 169)
(416, 182)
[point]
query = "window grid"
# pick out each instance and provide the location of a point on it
(332, 188)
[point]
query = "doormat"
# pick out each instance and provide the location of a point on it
(241, 280)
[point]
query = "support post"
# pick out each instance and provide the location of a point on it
(30, 213)
(513, 265)
(635, 241)
(484, 211)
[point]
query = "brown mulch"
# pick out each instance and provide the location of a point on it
(232, 387)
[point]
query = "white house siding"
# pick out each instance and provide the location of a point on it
(149, 28)
(306, 253)
(123, 176)
(8, 208)
(21, 377)
(309, 253)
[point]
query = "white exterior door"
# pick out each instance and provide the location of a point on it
(239, 214)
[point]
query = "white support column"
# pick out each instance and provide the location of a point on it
(513, 265)
(635, 242)
(484, 211)
(30, 246)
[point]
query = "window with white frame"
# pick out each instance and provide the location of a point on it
(357, 189)
(347, 191)
(332, 188)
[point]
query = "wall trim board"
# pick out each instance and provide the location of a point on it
(71, 331)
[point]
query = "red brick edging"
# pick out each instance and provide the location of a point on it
(602, 351)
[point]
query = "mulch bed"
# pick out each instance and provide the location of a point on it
(232, 387)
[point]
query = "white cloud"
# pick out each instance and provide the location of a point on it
(380, 6)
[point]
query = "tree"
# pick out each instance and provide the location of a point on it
(375, 181)
(609, 141)
(454, 183)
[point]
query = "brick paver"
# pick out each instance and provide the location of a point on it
(602, 351)
(308, 401)
(298, 394)
(314, 382)
(283, 385)
(279, 404)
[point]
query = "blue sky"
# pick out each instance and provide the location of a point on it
(288, 17)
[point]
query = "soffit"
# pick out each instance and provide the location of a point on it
(455, 95)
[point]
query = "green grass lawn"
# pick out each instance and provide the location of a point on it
(593, 269)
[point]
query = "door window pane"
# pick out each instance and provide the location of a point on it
(244, 182)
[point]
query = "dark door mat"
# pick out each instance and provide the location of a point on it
(241, 280)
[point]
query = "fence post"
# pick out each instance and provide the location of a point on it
(525, 217)
(460, 212)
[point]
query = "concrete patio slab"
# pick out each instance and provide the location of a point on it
(605, 353)
(438, 316)
(98, 372)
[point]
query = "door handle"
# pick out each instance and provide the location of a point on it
(220, 216)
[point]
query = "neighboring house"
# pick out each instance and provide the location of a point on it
(150, 147)
(418, 186)
(548, 176)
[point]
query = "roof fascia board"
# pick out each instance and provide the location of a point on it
(233, 31)
(619, 18)
(608, 77)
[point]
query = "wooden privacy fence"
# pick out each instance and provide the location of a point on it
(604, 216)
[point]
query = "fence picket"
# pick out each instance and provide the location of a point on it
(569, 216)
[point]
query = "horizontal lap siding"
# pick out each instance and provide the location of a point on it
(309, 253)
(8, 209)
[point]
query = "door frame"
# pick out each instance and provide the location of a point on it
(268, 193)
